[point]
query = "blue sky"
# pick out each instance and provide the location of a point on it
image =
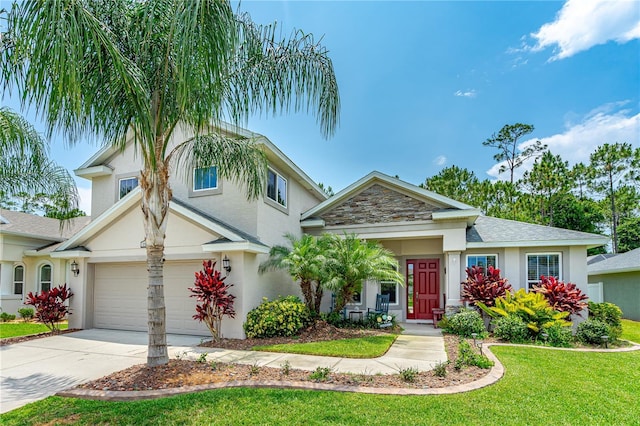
(423, 84)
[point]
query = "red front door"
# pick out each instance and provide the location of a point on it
(423, 288)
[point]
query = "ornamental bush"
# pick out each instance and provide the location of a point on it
(465, 322)
(484, 287)
(26, 313)
(563, 297)
(284, 316)
(610, 314)
(591, 331)
(50, 306)
(510, 329)
(559, 336)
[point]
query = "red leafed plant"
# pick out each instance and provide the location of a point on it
(485, 288)
(50, 306)
(562, 297)
(214, 300)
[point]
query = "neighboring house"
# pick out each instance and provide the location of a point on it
(434, 238)
(23, 268)
(616, 279)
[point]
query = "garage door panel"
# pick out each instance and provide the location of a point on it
(120, 297)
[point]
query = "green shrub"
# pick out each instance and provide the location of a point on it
(559, 336)
(4, 317)
(26, 313)
(321, 374)
(408, 374)
(610, 314)
(467, 356)
(440, 369)
(465, 322)
(284, 316)
(591, 331)
(533, 308)
(511, 329)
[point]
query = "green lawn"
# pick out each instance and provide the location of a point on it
(631, 330)
(540, 387)
(15, 329)
(363, 347)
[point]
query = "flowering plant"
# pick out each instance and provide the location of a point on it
(384, 320)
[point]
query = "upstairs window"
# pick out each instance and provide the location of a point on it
(45, 278)
(205, 178)
(127, 185)
(18, 279)
(276, 188)
(538, 264)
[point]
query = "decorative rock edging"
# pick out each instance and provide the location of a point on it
(495, 374)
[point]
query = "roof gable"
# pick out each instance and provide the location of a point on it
(379, 198)
(34, 226)
(623, 262)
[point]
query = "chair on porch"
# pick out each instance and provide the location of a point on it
(382, 306)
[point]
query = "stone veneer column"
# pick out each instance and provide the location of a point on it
(453, 280)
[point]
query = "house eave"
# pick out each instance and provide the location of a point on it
(470, 215)
(235, 246)
(615, 271)
(95, 171)
(589, 243)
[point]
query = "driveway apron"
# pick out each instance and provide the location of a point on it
(39, 368)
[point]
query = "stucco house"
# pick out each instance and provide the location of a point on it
(433, 237)
(615, 278)
(22, 264)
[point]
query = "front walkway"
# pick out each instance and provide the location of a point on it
(420, 346)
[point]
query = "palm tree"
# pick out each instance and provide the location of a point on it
(351, 261)
(135, 70)
(24, 164)
(305, 261)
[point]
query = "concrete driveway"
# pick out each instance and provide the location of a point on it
(39, 368)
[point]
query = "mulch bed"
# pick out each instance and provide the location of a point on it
(178, 373)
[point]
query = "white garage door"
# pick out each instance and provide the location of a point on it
(120, 297)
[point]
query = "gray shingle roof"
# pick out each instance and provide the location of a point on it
(624, 262)
(491, 231)
(40, 227)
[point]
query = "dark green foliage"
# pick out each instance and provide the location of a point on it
(610, 314)
(591, 331)
(559, 336)
(285, 316)
(464, 323)
(629, 235)
(26, 313)
(320, 374)
(510, 329)
(5, 316)
(467, 356)
(408, 374)
(440, 369)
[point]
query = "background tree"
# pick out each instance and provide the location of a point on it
(506, 142)
(134, 71)
(305, 262)
(629, 235)
(454, 182)
(351, 261)
(614, 166)
(548, 178)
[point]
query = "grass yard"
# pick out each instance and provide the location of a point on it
(540, 387)
(17, 329)
(363, 347)
(631, 330)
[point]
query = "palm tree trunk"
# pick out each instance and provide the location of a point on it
(156, 195)
(318, 297)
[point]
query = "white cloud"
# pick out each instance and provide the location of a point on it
(85, 199)
(440, 160)
(582, 24)
(605, 124)
(468, 94)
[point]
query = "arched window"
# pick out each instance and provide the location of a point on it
(45, 277)
(18, 279)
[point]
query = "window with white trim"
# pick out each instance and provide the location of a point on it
(390, 288)
(547, 264)
(276, 187)
(357, 298)
(205, 178)
(483, 260)
(18, 279)
(45, 278)
(126, 185)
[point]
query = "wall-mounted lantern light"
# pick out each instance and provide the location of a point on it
(74, 268)
(226, 264)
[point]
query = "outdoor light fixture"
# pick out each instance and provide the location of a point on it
(474, 335)
(74, 268)
(605, 339)
(545, 336)
(226, 264)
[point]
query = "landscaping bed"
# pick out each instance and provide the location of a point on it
(178, 373)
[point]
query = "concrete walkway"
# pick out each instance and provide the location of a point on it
(420, 347)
